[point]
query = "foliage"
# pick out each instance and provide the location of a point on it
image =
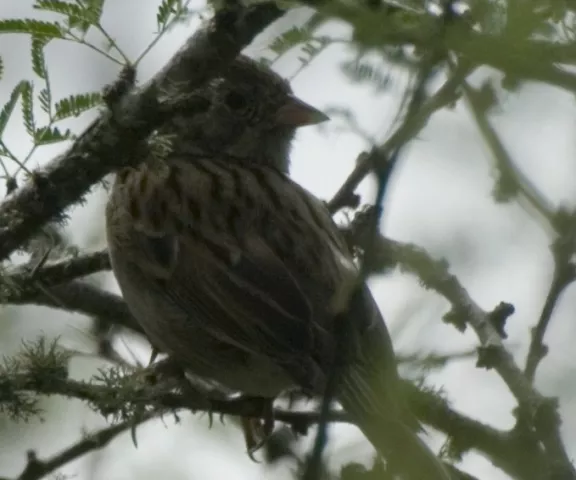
(37, 364)
(433, 44)
(76, 20)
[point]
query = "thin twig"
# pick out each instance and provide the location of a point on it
(407, 130)
(36, 469)
(502, 448)
(564, 275)
(61, 271)
(383, 168)
(513, 180)
(537, 410)
(79, 297)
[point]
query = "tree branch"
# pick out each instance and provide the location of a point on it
(80, 297)
(514, 184)
(36, 469)
(411, 126)
(564, 275)
(26, 278)
(521, 58)
(134, 397)
(537, 412)
(110, 141)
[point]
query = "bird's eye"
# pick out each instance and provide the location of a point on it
(235, 100)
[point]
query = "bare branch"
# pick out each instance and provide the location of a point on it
(58, 272)
(536, 410)
(513, 183)
(411, 126)
(80, 297)
(36, 469)
(137, 393)
(564, 275)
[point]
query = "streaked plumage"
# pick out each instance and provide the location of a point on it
(236, 271)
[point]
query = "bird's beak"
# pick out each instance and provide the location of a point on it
(296, 113)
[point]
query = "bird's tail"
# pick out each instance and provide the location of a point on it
(369, 391)
(395, 439)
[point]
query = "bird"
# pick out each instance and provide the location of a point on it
(241, 275)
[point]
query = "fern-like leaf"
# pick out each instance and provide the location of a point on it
(81, 15)
(56, 6)
(32, 27)
(364, 72)
(166, 10)
(312, 49)
(45, 99)
(74, 105)
(289, 39)
(95, 8)
(9, 106)
(48, 135)
(28, 107)
(38, 60)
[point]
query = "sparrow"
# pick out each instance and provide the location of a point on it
(241, 275)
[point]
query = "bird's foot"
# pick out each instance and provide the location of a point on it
(258, 430)
(169, 374)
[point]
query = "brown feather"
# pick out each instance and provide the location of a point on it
(241, 275)
(197, 261)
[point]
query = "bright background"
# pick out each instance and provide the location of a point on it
(440, 199)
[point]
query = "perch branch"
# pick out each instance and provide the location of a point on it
(109, 142)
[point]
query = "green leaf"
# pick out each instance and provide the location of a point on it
(48, 135)
(45, 99)
(38, 60)
(312, 49)
(64, 8)
(289, 39)
(95, 8)
(33, 27)
(28, 107)
(81, 15)
(74, 105)
(364, 72)
(9, 106)
(166, 10)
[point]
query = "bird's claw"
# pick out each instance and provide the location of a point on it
(257, 431)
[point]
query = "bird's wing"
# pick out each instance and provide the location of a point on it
(255, 261)
(252, 256)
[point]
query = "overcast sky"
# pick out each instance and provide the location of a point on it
(440, 199)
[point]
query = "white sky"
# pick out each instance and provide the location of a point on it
(440, 199)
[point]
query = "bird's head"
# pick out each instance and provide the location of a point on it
(249, 113)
